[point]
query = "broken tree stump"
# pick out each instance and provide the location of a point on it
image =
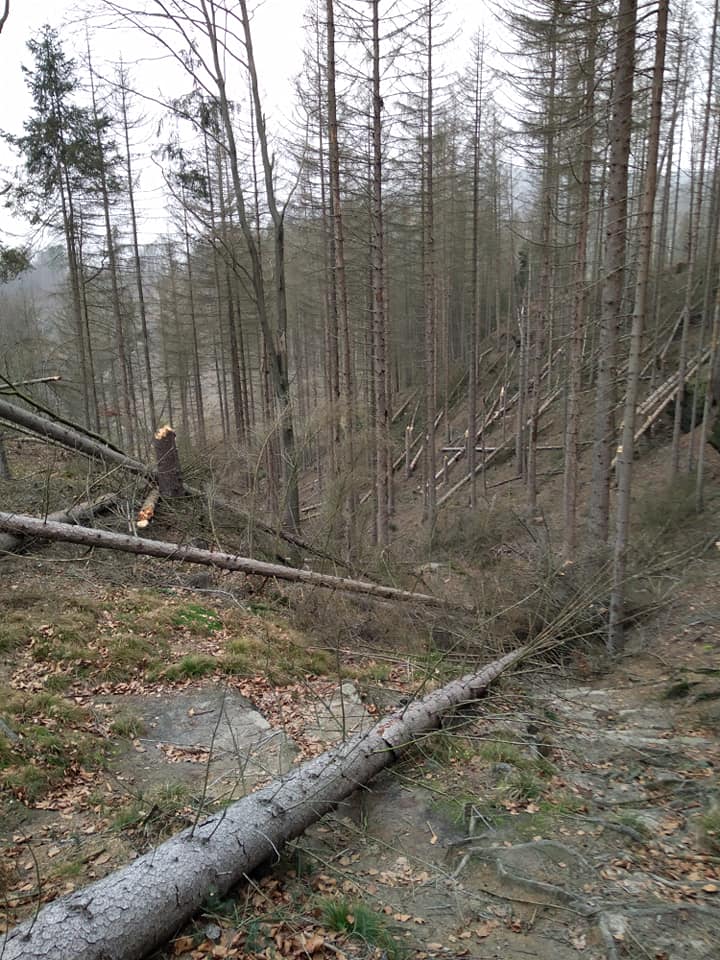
(168, 463)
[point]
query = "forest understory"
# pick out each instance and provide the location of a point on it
(360, 483)
(573, 812)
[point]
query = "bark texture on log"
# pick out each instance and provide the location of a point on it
(139, 907)
(168, 463)
(48, 530)
(10, 543)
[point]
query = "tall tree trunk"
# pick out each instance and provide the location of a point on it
(577, 329)
(475, 318)
(382, 420)
(278, 344)
(693, 238)
(613, 283)
(275, 339)
(428, 264)
(197, 375)
(147, 351)
(627, 448)
(120, 338)
(339, 268)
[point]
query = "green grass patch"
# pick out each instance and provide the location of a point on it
(158, 813)
(51, 743)
(127, 725)
(504, 748)
(522, 786)
(193, 666)
(360, 922)
(197, 619)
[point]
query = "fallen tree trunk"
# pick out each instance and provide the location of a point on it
(29, 383)
(68, 437)
(10, 543)
(89, 537)
(487, 461)
(132, 911)
(666, 392)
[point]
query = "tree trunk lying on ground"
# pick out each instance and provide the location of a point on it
(68, 437)
(10, 543)
(130, 912)
(48, 530)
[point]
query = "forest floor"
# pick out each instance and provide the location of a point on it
(573, 813)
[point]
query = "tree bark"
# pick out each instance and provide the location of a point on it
(139, 907)
(615, 250)
(168, 463)
(68, 437)
(339, 273)
(49, 530)
(626, 450)
(74, 440)
(277, 346)
(382, 435)
(146, 513)
(10, 543)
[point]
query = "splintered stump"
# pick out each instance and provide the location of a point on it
(170, 480)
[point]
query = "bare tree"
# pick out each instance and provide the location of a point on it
(614, 266)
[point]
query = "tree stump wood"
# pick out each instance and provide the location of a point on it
(168, 463)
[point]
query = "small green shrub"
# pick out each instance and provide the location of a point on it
(522, 786)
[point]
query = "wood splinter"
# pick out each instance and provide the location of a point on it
(146, 514)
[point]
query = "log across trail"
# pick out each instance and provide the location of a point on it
(15, 523)
(139, 907)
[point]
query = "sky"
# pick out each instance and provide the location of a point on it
(278, 38)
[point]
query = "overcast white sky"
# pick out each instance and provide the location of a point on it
(278, 37)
